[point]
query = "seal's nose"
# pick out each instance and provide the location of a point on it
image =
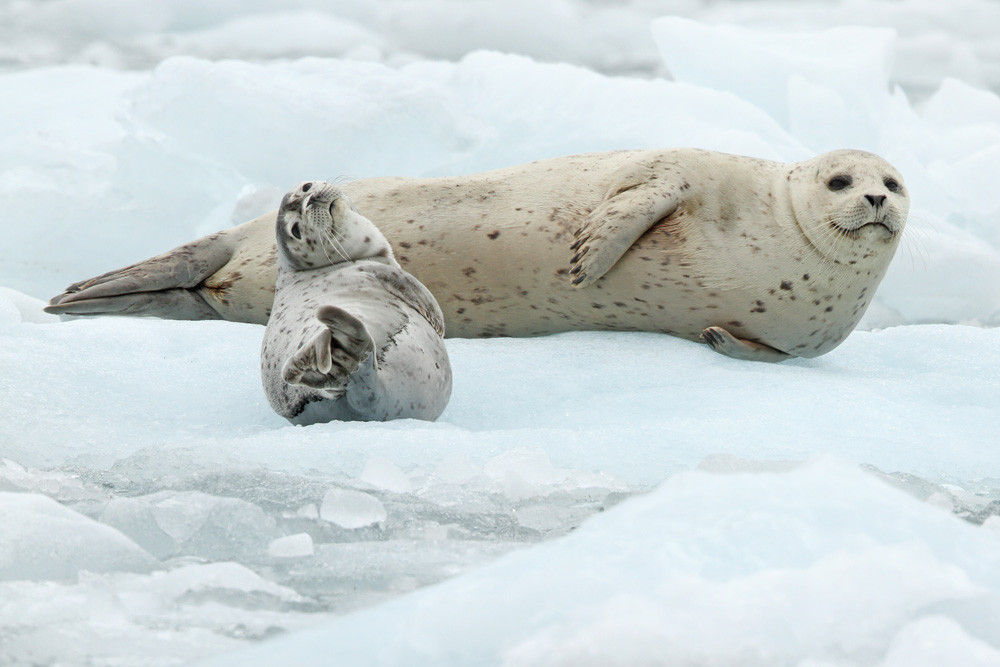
(298, 198)
(875, 200)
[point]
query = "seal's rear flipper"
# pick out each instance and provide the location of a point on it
(726, 343)
(333, 355)
(174, 304)
(159, 287)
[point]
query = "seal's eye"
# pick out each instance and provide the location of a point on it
(892, 185)
(839, 182)
(306, 187)
(296, 232)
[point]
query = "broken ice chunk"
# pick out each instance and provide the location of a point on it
(351, 509)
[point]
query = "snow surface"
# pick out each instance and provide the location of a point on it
(587, 498)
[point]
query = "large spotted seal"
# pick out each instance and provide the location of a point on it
(351, 335)
(760, 259)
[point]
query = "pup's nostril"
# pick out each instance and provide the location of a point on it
(875, 200)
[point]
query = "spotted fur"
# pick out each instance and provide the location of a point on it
(783, 257)
(351, 335)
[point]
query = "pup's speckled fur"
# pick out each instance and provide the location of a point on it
(351, 335)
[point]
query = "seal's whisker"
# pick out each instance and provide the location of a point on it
(915, 247)
(337, 247)
(323, 246)
(327, 241)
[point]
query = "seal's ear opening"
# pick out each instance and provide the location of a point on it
(296, 232)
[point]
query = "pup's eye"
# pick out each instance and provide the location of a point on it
(296, 232)
(839, 182)
(892, 185)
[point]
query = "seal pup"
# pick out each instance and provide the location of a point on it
(351, 335)
(761, 259)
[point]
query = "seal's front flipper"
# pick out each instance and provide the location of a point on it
(154, 287)
(611, 228)
(726, 343)
(333, 355)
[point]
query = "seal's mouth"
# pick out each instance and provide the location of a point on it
(876, 226)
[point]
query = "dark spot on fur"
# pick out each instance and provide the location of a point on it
(734, 323)
(786, 284)
(493, 235)
(404, 244)
(468, 271)
(220, 290)
(829, 309)
(805, 276)
(760, 307)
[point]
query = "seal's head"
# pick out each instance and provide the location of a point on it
(319, 226)
(850, 205)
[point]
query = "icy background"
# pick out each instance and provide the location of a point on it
(586, 498)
